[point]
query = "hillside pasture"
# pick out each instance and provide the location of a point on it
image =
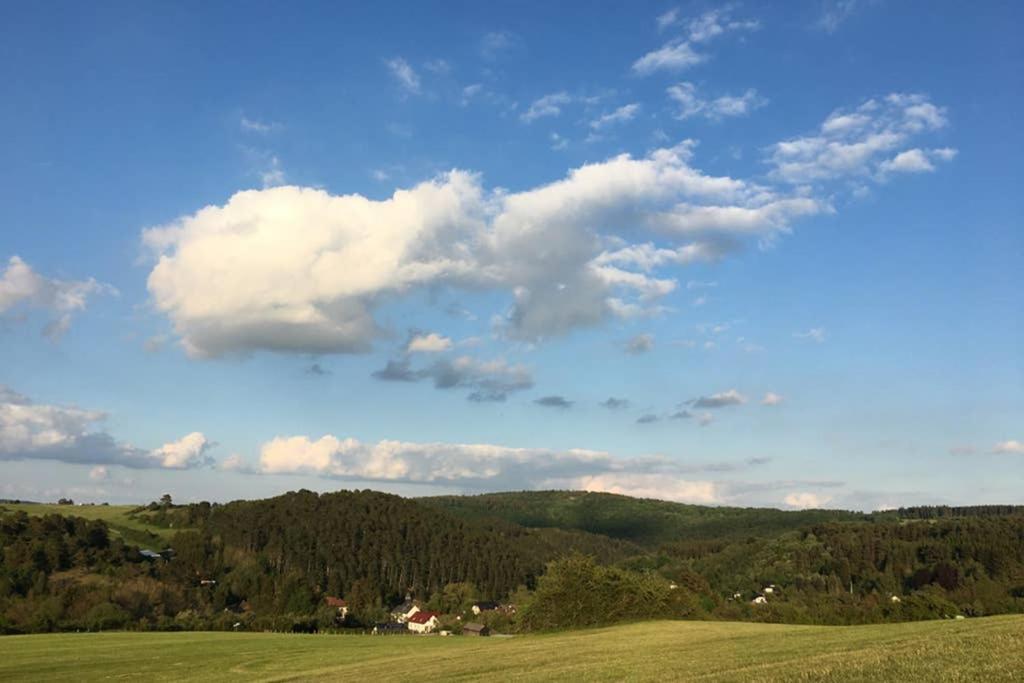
(989, 649)
(133, 529)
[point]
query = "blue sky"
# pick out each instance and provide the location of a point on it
(419, 247)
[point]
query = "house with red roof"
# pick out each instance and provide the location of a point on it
(338, 604)
(423, 622)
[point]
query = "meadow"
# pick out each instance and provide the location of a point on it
(987, 649)
(132, 529)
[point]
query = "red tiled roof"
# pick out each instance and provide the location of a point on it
(422, 617)
(335, 602)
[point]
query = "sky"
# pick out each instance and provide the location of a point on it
(728, 254)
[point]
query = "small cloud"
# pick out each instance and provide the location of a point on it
(558, 143)
(758, 461)
(806, 500)
(379, 174)
(704, 419)
(647, 419)
(22, 289)
(495, 43)
(554, 402)
(1012, 447)
(253, 126)
(549, 105)
(99, 473)
(815, 334)
(273, 175)
(689, 103)
(667, 19)
(835, 12)
(641, 343)
(699, 301)
(681, 415)
(397, 371)
(615, 403)
(673, 56)
(404, 74)
(621, 115)
(441, 67)
(720, 400)
(697, 284)
(318, 370)
(428, 343)
(771, 399)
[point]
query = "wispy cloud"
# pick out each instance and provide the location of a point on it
(623, 114)
(404, 75)
(1010, 447)
(22, 288)
(679, 54)
(554, 402)
(487, 381)
(496, 43)
(253, 126)
(613, 403)
(720, 400)
(641, 343)
(835, 12)
(549, 105)
(815, 334)
(690, 104)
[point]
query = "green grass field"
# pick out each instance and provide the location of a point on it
(130, 528)
(990, 649)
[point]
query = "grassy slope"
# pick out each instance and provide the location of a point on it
(640, 520)
(133, 530)
(990, 649)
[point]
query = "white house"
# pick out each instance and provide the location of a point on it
(479, 607)
(759, 600)
(423, 622)
(403, 612)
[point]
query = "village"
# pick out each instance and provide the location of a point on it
(410, 617)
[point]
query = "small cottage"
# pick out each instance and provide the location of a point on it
(338, 604)
(759, 600)
(474, 629)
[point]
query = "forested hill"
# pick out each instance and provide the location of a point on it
(390, 544)
(566, 559)
(644, 521)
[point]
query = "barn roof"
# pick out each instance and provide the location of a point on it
(422, 617)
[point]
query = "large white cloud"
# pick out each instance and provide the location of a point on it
(33, 431)
(301, 270)
(488, 467)
(23, 287)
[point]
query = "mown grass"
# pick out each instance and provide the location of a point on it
(130, 528)
(990, 649)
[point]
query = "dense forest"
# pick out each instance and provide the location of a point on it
(564, 559)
